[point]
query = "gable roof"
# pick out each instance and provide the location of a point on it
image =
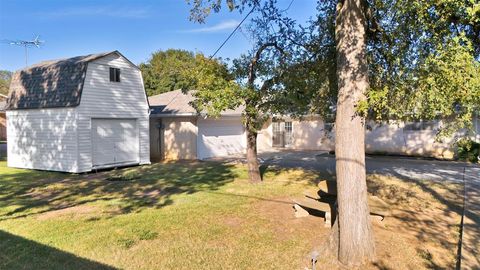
(177, 103)
(51, 84)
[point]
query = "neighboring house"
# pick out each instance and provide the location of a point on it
(178, 132)
(78, 114)
(3, 118)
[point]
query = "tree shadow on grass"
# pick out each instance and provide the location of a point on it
(20, 253)
(440, 180)
(153, 186)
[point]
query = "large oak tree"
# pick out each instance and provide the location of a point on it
(408, 60)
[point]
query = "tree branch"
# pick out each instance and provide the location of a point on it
(256, 58)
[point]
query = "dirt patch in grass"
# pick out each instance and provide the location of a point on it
(425, 225)
(280, 217)
(423, 232)
(233, 221)
(76, 211)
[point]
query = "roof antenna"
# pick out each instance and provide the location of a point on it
(36, 42)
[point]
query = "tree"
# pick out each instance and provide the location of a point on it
(264, 81)
(214, 96)
(163, 72)
(394, 59)
(170, 70)
(424, 55)
(5, 77)
(355, 239)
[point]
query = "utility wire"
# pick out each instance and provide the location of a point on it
(238, 26)
(289, 5)
(233, 32)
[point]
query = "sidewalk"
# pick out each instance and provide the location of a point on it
(471, 222)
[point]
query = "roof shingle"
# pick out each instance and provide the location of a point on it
(178, 103)
(50, 84)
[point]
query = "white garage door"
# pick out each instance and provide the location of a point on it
(220, 138)
(114, 141)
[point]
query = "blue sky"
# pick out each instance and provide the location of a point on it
(135, 28)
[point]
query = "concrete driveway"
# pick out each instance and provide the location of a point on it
(402, 167)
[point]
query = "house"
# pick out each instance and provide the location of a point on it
(178, 132)
(78, 114)
(3, 118)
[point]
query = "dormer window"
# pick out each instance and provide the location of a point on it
(114, 74)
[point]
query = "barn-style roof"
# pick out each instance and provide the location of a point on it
(50, 84)
(178, 103)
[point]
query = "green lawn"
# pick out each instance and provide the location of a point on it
(179, 215)
(206, 215)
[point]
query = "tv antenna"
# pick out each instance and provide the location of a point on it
(36, 42)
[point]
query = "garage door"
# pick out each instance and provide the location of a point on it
(114, 141)
(220, 138)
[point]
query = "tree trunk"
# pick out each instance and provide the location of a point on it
(355, 235)
(252, 160)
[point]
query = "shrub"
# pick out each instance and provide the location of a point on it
(468, 150)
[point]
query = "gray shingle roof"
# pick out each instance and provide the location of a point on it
(177, 103)
(50, 84)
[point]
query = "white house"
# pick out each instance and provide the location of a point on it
(78, 114)
(178, 132)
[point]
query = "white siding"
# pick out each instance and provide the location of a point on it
(476, 125)
(394, 138)
(42, 139)
(307, 134)
(104, 99)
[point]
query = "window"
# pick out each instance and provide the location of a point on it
(282, 134)
(422, 125)
(288, 133)
(276, 126)
(114, 74)
(288, 127)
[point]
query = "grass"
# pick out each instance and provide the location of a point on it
(198, 215)
(176, 216)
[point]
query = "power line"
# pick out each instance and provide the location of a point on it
(289, 5)
(233, 32)
(238, 26)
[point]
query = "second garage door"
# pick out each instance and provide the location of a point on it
(114, 141)
(220, 138)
